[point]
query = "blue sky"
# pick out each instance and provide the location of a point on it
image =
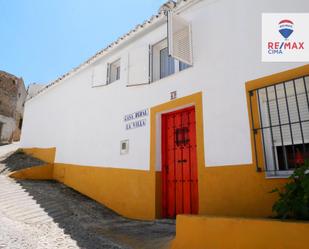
(43, 39)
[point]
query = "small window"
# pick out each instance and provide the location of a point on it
(182, 136)
(114, 71)
(163, 64)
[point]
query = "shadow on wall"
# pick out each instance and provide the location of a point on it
(17, 161)
(91, 224)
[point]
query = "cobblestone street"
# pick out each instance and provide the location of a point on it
(47, 214)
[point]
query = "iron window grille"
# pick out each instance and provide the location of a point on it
(280, 124)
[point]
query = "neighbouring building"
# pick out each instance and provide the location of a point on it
(34, 89)
(12, 98)
(179, 115)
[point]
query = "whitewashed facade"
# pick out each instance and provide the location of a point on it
(84, 119)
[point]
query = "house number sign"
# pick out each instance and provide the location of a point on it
(136, 119)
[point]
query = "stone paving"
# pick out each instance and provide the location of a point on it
(47, 214)
(7, 149)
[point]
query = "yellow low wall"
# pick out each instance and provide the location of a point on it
(237, 191)
(43, 172)
(206, 232)
(137, 194)
(44, 154)
(130, 193)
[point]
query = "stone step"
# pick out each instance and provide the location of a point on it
(21, 206)
(12, 195)
(19, 200)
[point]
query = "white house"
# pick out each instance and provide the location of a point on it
(166, 119)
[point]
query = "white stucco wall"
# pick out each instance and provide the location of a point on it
(86, 124)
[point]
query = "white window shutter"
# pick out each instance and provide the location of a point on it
(99, 75)
(138, 66)
(124, 70)
(108, 73)
(179, 38)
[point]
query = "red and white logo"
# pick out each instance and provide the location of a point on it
(285, 37)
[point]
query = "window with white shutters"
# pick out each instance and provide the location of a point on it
(284, 123)
(179, 38)
(163, 64)
(99, 74)
(139, 66)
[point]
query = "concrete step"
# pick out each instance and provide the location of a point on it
(17, 204)
(18, 200)
(12, 195)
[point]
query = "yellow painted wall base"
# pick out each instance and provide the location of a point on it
(237, 191)
(202, 232)
(44, 154)
(137, 194)
(43, 172)
(130, 193)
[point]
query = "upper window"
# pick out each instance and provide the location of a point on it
(114, 71)
(283, 124)
(163, 64)
(167, 63)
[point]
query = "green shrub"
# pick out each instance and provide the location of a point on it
(293, 202)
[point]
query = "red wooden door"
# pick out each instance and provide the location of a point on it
(179, 163)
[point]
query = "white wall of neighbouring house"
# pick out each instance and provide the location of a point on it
(86, 123)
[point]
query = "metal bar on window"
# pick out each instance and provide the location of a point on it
(280, 128)
(299, 118)
(274, 126)
(289, 119)
(281, 82)
(305, 86)
(258, 169)
(262, 130)
(271, 131)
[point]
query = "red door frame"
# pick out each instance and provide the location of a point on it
(179, 170)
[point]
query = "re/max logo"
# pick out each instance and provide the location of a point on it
(278, 47)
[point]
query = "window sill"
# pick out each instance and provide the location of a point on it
(142, 84)
(98, 86)
(279, 174)
(171, 75)
(112, 82)
(107, 84)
